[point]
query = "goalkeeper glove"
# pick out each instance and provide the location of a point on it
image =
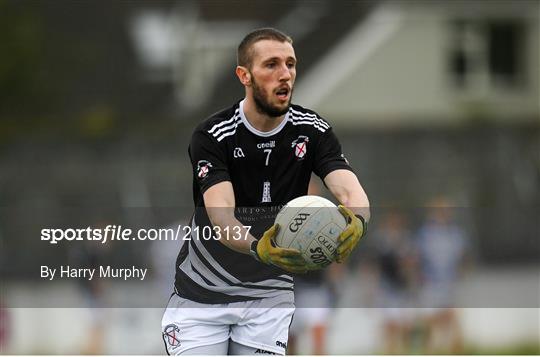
(266, 251)
(349, 238)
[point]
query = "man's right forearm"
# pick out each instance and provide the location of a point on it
(232, 232)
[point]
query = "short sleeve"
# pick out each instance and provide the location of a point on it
(208, 160)
(328, 156)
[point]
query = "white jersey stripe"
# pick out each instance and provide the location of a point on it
(303, 113)
(309, 123)
(215, 127)
(226, 134)
(203, 269)
(316, 120)
(211, 259)
(287, 277)
(208, 274)
(232, 132)
(228, 289)
(189, 265)
(228, 127)
(269, 283)
(305, 120)
(309, 116)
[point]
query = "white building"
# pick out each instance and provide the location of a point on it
(412, 62)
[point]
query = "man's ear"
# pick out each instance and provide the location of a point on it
(243, 75)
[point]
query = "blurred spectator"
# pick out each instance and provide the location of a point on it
(441, 245)
(396, 261)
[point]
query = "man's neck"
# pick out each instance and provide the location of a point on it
(260, 121)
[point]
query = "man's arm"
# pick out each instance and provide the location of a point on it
(345, 186)
(220, 203)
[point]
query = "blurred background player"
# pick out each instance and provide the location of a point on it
(441, 245)
(397, 271)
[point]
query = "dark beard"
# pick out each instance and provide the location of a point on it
(262, 105)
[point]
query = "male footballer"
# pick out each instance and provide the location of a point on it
(234, 293)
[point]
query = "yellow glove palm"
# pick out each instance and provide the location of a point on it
(287, 259)
(349, 238)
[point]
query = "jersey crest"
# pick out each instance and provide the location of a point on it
(300, 146)
(203, 167)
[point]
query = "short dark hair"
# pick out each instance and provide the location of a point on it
(244, 55)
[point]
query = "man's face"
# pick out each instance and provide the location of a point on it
(273, 72)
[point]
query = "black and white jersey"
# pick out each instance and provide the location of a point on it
(267, 170)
